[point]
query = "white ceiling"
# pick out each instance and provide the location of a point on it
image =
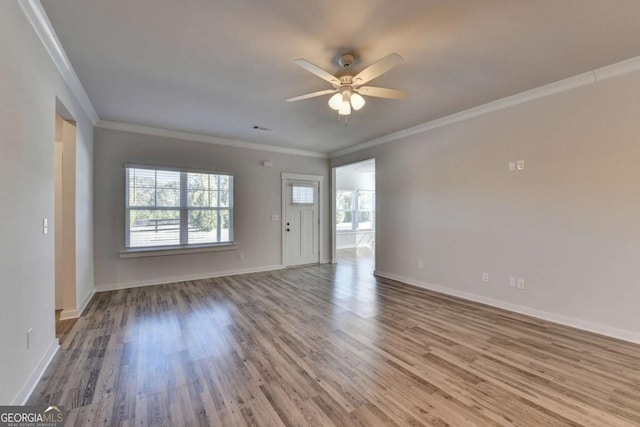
(366, 166)
(218, 67)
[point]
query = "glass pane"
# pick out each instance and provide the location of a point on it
(202, 198)
(366, 200)
(168, 179)
(224, 182)
(203, 226)
(224, 199)
(167, 198)
(344, 220)
(142, 184)
(142, 197)
(365, 220)
(302, 195)
(344, 200)
(154, 228)
(198, 181)
(225, 226)
(143, 177)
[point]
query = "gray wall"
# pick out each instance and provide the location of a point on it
(29, 84)
(256, 195)
(568, 224)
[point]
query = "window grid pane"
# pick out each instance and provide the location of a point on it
(355, 210)
(302, 195)
(168, 208)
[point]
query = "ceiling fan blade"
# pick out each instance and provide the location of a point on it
(382, 92)
(312, 95)
(377, 69)
(314, 69)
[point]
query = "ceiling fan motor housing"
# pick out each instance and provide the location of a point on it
(346, 60)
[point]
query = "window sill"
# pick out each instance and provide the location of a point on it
(147, 252)
(368, 230)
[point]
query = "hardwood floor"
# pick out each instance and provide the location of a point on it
(331, 345)
(63, 327)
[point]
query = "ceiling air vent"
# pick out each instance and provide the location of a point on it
(261, 128)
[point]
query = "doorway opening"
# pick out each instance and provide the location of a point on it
(355, 215)
(64, 216)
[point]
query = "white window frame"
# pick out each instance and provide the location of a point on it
(184, 209)
(355, 210)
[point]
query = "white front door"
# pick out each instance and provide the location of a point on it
(301, 223)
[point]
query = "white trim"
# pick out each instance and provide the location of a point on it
(147, 130)
(587, 78)
(301, 177)
(334, 237)
(177, 279)
(27, 389)
(584, 325)
(147, 252)
(74, 314)
(288, 176)
(40, 22)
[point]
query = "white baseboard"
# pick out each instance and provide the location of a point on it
(72, 314)
(584, 325)
(175, 279)
(26, 391)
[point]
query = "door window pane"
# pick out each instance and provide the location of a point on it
(302, 195)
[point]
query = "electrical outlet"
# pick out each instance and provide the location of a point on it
(522, 284)
(29, 338)
(520, 165)
(420, 265)
(45, 226)
(240, 255)
(512, 282)
(275, 217)
(485, 277)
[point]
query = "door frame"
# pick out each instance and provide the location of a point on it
(319, 179)
(334, 189)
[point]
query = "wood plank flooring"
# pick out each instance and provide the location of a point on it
(63, 327)
(331, 345)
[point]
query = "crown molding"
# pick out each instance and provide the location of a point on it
(147, 130)
(587, 78)
(40, 22)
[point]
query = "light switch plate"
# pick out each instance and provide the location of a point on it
(512, 282)
(512, 166)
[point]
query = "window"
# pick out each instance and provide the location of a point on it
(355, 210)
(366, 209)
(344, 210)
(302, 194)
(176, 208)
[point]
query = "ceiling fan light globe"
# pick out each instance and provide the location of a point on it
(335, 101)
(345, 108)
(357, 101)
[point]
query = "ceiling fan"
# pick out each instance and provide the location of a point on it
(348, 90)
